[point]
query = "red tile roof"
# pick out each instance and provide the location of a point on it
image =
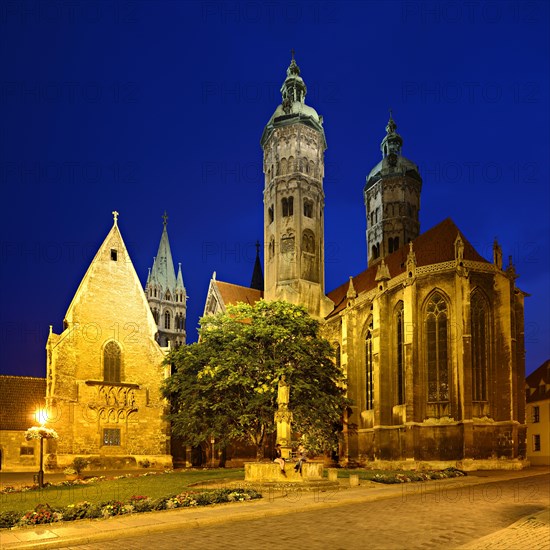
(538, 380)
(432, 247)
(232, 294)
(20, 396)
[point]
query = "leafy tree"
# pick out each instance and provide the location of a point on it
(225, 386)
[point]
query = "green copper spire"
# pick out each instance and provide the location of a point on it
(293, 89)
(392, 141)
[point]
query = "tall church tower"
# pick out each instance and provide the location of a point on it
(166, 294)
(294, 144)
(392, 199)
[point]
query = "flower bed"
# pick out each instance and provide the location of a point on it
(44, 513)
(407, 477)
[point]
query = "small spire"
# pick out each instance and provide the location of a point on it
(115, 216)
(392, 141)
(257, 281)
(351, 293)
(497, 254)
(382, 273)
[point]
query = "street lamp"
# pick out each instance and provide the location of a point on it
(41, 418)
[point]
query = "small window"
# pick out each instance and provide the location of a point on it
(26, 451)
(536, 414)
(536, 442)
(113, 254)
(308, 208)
(111, 437)
(288, 206)
(270, 214)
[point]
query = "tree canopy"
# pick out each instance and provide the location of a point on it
(225, 386)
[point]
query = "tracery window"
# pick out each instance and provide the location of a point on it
(400, 352)
(480, 346)
(437, 349)
(111, 362)
(167, 319)
(369, 371)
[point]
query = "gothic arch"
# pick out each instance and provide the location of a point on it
(398, 320)
(112, 361)
(284, 167)
(436, 316)
(480, 330)
(368, 364)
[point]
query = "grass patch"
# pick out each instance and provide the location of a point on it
(153, 486)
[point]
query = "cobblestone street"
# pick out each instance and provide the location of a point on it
(424, 516)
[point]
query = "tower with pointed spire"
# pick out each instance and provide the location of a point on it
(293, 143)
(166, 294)
(392, 199)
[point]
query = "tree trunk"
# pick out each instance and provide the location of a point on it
(260, 451)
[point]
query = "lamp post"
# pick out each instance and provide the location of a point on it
(41, 417)
(41, 433)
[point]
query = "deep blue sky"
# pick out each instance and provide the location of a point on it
(147, 106)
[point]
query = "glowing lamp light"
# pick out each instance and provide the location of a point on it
(41, 416)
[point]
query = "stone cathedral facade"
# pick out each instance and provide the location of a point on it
(430, 335)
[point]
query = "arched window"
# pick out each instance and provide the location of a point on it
(437, 349)
(167, 319)
(111, 362)
(400, 352)
(369, 371)
(284, 167)
(479, 313)
(305, 165)
(291, 167)
(308, 208)
(308, 241)
(288, 206)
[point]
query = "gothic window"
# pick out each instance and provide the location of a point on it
(400, 352)
(288, 206)
(155, 292)
(308, 208)
(369, 371)
(338, 356)
(271, 248)
(305, 165)
(167, 319)
(111, 362)
(375, 251)
(284, 167)
(393, 244)
(308, 242)
(480, 346)
(436, 319)
(111, 437)
(270, 214)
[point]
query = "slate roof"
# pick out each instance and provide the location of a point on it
(432, 247)
(539, 381)
(232, 294)
(20, 396)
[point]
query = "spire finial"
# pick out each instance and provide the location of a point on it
(115, 216)
(292, 52)
(257, 248)
(165, 218)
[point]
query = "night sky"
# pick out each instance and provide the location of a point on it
(143, 107)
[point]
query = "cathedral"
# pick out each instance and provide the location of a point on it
(430, 335)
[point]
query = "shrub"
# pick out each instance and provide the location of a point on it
(9, 519)
(76, 511)
(79, 464)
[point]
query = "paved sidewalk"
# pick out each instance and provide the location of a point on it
(530, 532)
